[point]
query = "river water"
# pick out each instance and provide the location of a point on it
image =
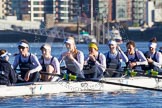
(133, 99)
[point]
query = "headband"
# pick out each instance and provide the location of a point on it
(93, 45)
(46, 46)
(112, 42)
(23, 44)
(69, 40)
(153, 45)
(5, 54)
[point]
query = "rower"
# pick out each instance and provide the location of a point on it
(49, 63)
(95, 63)
(137, 60)
(7, 74)
(114, 58)
(154, 57)
(74, 58)
(27, 62)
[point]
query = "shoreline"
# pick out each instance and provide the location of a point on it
(8, 36)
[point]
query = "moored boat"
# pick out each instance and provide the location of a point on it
(106, 85)
(114, 34)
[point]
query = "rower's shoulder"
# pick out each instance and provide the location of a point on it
(33, 55)
(55, 58)
(17, 55)
(80, 52)
(140, 52)
(159, 53)
(103, 54)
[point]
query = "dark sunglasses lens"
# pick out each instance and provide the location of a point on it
(20, 47)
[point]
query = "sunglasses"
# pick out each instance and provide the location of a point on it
(21, 47)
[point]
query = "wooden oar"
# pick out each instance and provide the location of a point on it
(52, 74)
(62, 68)
(105, 82)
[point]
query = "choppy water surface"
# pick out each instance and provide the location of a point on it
(139, 99)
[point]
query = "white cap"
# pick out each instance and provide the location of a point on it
(23, 44)
(152, 44)
(70, 40)
(5, 54)
(46, 46)
(112, 42)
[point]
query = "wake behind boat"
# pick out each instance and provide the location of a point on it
(105, 85)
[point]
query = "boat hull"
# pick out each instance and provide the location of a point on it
(42, 88)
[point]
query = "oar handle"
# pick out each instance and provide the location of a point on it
(51, 74)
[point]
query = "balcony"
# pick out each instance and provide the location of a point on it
(64, 17)
(4, 5)
(63, 11)
(4, 11)
(73, 14)
(74, 3)
(64, 0)
(63, 6)
(137, 16)
(8, 3)
(9, 7)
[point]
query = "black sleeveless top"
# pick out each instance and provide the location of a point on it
(25, 66)
(92, 63)
(135, 59)
(113, 63)
(151, 66)
(43, 64)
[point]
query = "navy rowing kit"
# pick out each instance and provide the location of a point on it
(157, 61)
(28, 64)
(95, 69)
(52, 61)
(42, 62)
(139, 58)
(113, 63)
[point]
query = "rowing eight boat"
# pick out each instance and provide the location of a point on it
(42, 88)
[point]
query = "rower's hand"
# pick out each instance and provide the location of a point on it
(65, 54)
(150, 60)
(132, 64)
(70, 56)
(92, 57)
(118, 47)
(27, 76)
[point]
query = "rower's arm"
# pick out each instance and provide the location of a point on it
(102, 65)
(12, 75)
(123, 56)
(142, 58)
(61, 58)
(79, 63)
(16, 62)
(36, 63)
(56, 63)
(159, 60)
